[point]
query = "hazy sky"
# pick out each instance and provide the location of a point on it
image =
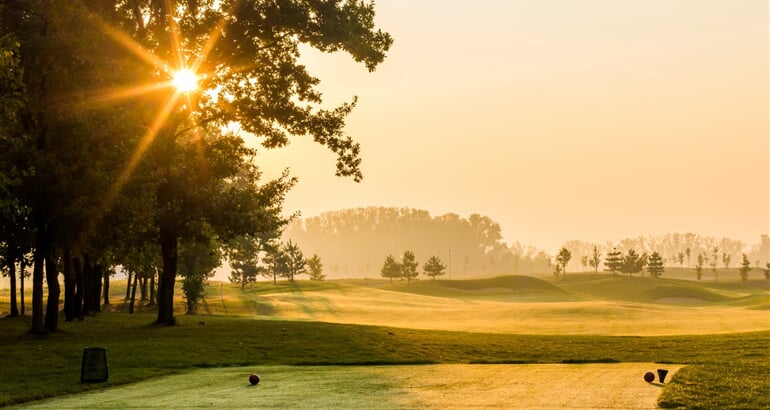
(560, 119)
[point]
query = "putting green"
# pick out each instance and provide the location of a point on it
(533, 386)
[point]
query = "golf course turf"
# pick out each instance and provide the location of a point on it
(720, 370)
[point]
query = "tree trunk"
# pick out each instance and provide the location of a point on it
(143, 287)
(106, 288)
(69, 286)
(52, 279)
(87, 287)
(128, 286)
(12, 275)
(77, 304)
(168, 248)
(133, 295)
(152, 289)
(96, 281)
(22, 268)
(38, 316)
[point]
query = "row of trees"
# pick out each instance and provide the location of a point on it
(632, 262)
(104, 162)
(679, 250)
(274, 259)
(406, 268)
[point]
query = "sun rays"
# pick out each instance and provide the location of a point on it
(181, 82)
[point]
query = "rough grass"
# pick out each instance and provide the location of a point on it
(280, 325)
(34, 367)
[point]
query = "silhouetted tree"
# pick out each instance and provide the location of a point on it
(595, 259)
(680, 258)
(745, 268)
(715, 261)
(390, 268)
(409, 266)
(699, 265)
(315, 268)
(767, 271)
(295, 264)
(434, 267)
(726, 259)
(632, 262)
(563, 258)
(584, 262)
(655, 265)
(613, 261)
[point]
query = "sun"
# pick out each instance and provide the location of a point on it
(185, 80)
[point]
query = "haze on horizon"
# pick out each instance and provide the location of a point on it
(595, 120)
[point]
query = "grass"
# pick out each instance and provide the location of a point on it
(727, 367)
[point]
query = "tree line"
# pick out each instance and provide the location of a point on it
(105, 163)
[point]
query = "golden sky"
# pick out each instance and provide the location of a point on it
(560, 119)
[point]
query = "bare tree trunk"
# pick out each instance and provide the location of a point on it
(107, 288)
(168, 245)
(69, 286)
(79, 288)
(143, 287)
(128, 286)
(152, 288)
(133, 295)
(23, 269)
(38, 315)
(52, 279)
(96, 281)
(12, 275)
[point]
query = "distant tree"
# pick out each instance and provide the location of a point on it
(613, 261)
(726, 259)
(390, 268)
(295, 260)
(595, 259)
(556, 269)
(584, 262)
(699, 265)
(632, 262)
(243, 256)
(687, 252)
(767, 270)
(655, 265)
(714, 261)
(745, 268)
(276, 260)
(680, 258)
(563, 258)
(434, 267)
(409, 266)
(315, 268)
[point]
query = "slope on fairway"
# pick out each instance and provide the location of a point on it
(599, 304)
(585, 386)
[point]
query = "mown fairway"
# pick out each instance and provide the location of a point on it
(455, 386)
(727, 367)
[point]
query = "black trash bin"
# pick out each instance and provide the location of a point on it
(94, 366)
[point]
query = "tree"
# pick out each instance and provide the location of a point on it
(315, 268)
(688, 252)
(584, 262)
(563, 258)
(251, 76)
(680, 258)
(699, 265)
(613, 261)
(198, 259)
(655, 265)
(243, 256)
(434, 267)
(409, 266)
(767, 270)
(714, 261)
(726, 259)
(390, 268)
(595, 259)
(745, 268)
(632, 262)
(295, 261)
